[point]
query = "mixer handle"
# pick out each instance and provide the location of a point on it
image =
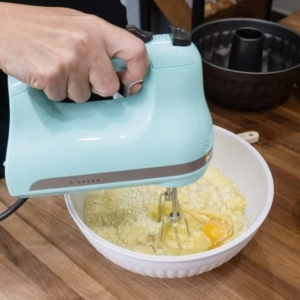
(119, 64)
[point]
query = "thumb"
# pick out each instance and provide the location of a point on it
(124, 45)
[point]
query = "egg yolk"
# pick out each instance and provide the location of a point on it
(218, 232)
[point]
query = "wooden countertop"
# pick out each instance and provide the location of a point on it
(44, 256)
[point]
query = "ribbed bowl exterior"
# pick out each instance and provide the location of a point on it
(246, 168)
(166, 269)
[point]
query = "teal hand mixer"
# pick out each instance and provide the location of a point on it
(162, 135)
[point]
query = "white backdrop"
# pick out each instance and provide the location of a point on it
(286, 7)
(133, 11)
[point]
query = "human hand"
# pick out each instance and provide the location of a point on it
(67, 53)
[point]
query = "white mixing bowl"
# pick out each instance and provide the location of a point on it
(240, 162)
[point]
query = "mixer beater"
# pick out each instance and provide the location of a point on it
(175, 215)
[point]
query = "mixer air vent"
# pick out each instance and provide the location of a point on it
(161, 38)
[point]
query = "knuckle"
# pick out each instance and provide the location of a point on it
(44, 79)
(51, 76)
(140, 49)
(80, 41)
(96, 24)
(50, 81)
(37, 83)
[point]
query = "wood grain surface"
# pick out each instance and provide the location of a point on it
(43, 255)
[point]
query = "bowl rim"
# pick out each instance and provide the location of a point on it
(252, 20)
(190, 257)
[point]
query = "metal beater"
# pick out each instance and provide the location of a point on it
(176, 213)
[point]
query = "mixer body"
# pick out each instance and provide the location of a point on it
(162, 135)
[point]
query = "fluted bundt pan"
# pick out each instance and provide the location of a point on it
(248, 90)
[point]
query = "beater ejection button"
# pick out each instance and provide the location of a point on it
(180, 36)
(145, 36)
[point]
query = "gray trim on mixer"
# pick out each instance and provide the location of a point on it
(121, 176)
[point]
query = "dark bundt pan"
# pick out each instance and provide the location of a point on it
(248, 90)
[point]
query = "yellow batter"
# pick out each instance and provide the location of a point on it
(213, 207)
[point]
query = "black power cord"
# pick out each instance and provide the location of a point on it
(13, 208)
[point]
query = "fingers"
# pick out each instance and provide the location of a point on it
(67, 76)
(77, 80)
(137, 65)
(134, 89)
(56, 93)
(52, 81)
(103, 77)
(128, 47)
(79, 89)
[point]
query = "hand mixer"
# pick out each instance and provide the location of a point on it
(162, 135)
